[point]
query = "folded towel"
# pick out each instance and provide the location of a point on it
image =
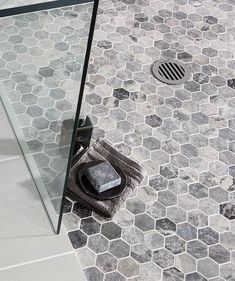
(101, 150)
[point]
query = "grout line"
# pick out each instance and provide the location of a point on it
(37, 260)
(10, 158)
(80, 265)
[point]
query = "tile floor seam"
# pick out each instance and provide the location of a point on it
(37, 260)
(11, 158)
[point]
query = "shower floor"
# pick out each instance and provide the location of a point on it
(180, 223)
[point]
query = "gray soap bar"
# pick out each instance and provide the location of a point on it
(103, 176)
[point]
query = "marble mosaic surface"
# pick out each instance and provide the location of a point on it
(5, 4)
(180, 223)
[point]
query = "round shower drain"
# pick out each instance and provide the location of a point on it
(172, 72)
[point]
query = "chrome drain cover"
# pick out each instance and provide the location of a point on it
(172, 72)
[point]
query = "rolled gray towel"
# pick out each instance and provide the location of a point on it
(101, 150)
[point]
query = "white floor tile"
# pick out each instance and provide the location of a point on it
(17, 187)
(8, 144)
(25, 233)
(64, 268)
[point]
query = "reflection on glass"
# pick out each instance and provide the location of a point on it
(6, 4)
(41, 61)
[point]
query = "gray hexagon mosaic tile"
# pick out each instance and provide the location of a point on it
(180, 223)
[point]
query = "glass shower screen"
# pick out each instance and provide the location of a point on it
(44, 52)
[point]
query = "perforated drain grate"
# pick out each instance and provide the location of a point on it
(171, 72)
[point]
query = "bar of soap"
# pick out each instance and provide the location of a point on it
(102, 176)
